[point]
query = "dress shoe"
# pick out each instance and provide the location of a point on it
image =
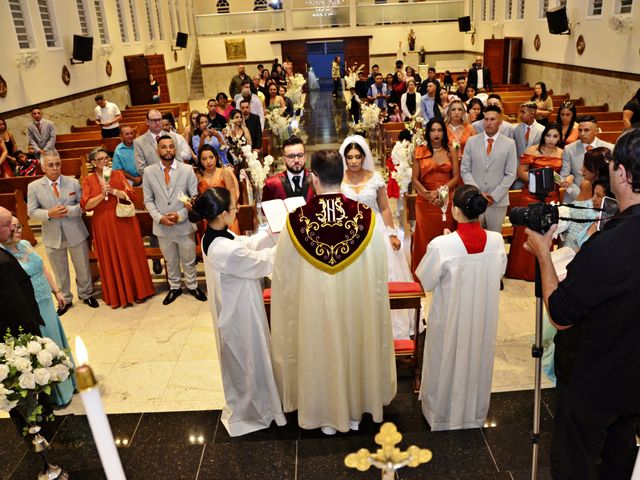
(62, 310)
(328, 430)
(172, 295)
(157, 267)
(199, 294)
(92, 302)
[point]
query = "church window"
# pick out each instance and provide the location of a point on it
(103, 31)
(124, 33)
(48, 24)
(21, 24)
(222, 6)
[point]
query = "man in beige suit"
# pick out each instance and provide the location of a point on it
(55, 201)
(176, 235)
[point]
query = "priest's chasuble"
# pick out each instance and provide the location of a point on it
(331, 334)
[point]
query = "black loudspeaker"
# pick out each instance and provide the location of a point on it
(464, 24)
(82, 48)
(557, 20)
(182, 39)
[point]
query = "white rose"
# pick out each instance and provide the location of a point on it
(21, 363)
(60, 372)
(4, 373)
(5, 391)
(45, 358)
(52, 348)
(3, 349)
(42, 376)
(33, 347)
(7, 405)
(27, 381)
(20, 351)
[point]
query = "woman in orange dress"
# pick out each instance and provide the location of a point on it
(124, 270)
(211, 173)
(458, 128)
(521, 264)
(434, 165)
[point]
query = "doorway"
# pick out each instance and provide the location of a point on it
(320, 55)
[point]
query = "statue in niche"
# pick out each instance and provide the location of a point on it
(411, 38)
(422, 56)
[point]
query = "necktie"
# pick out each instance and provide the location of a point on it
(526, 135)
(54, 185)
(296, 182)
(167, 177)
(589, 148)
(38, 126)
(157, 138)
(489, 145)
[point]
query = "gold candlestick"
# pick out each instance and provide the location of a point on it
(389, 458)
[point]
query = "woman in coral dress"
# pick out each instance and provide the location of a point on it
(211, 173)
(521, 264)
(124, 270)
(433, 167)
(458, 128)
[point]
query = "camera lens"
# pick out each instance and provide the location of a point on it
(518, 216)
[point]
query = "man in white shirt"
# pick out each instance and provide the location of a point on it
(295, 181)
(490, 163)
(107, 116)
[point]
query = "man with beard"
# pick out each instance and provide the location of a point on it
(252, 122)
(161, 183)
(295, 181)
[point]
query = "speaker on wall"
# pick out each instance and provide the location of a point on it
(464, 24)
(557, 21)
(182, 39)
(82, 49)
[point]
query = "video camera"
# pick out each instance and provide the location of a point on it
(537, 216)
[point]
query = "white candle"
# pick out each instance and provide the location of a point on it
(98, 422)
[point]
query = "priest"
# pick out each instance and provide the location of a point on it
(331, 334)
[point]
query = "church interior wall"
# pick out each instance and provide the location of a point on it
(615, 56)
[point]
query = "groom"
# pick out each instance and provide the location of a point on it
(295, 181)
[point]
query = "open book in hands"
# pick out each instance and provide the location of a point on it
(277, 211)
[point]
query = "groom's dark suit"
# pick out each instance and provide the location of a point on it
(278, 186)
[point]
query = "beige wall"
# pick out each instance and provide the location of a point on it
(63, 115)
(216, 78)
(595, 89)
(177, 81)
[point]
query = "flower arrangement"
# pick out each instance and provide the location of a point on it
(30, 365)
(416, 127)
(352, 76)
(402, 156)
(258, 171)
(278, 124)
(370, 116)
(294, 90)
(106, 176)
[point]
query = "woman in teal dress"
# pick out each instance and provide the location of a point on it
(43, 285)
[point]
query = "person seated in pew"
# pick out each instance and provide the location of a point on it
(123, 158)
(27, 164)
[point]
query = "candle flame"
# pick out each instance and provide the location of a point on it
(82, 356)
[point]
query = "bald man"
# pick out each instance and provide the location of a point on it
(19, 306)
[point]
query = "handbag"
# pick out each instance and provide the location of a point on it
(125, 208)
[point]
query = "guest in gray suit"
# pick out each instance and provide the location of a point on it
(55, 201)
(41, 133)
(573, 156)
(490, 163)
(161, 183)
(505, 127)
(528, 132)
(145, 147)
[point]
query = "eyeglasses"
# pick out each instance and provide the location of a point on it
(155, 120)
(101, 159)
(18, 227)
(53, 165)
(293, 156)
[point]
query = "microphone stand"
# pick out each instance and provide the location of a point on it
(536, 352)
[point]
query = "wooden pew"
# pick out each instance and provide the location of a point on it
(109, 143)
(12, 184)
(140, 126)
(611, 125)
(611, 137)
(14, 202)
(74, 167)
(77, 152)
(92, 135)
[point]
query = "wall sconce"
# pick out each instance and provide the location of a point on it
(26, 61)
(149, 48)
(105, 51)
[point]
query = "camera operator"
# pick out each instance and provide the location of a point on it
(597, 312)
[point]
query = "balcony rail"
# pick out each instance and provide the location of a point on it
(245, 22)
(318, 17)
(409, 13)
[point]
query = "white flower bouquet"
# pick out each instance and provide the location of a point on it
(402, 156)
(294, 90)
(370, 116)
(30, 365)
(258, 171)
(106, 176)
(278, 124)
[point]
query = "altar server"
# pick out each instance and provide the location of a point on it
(234, 266)
(463, 269)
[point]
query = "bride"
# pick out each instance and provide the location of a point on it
(312, 79)
(362, 183)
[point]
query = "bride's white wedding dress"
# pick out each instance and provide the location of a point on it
(367, 193)
(312, 79)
